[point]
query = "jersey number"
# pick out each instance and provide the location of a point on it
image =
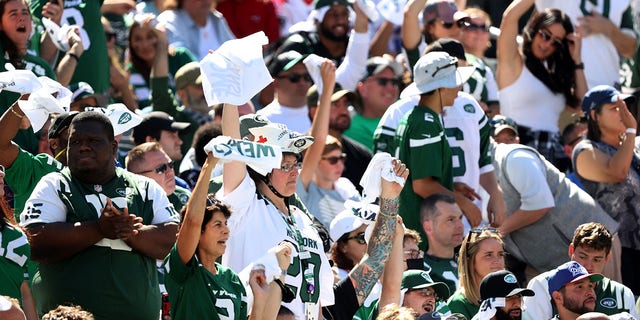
(10, 253)
(457, 154)
(73, 16)
(294, 270)
(224, 308)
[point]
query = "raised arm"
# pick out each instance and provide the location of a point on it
(67, 65)
(320, 124)
(366, 273)
(510, 61)
(233, 172)
(189, 235)
(411, 30)
(9, 126)
(393, 269)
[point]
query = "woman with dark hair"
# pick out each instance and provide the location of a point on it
(144, 42)
(608, 165)
(15, 253)
(542, 79)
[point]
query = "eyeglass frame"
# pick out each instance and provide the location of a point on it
(479, 231)
(296, 77)
(415, 253)
(334, 159)
(477, 27)
(384, 81)
(426, 293)
(359, 237)
(548, 36)
(161, 169)
(288, 167)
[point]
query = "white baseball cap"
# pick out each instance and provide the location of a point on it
(439, 70)
(343, 223)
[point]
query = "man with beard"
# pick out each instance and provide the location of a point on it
(501, 297)
(421, 293)
(572, 290)
(358, 156)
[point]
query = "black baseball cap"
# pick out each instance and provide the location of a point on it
(155, 122)
(502, 284)
(60, 122)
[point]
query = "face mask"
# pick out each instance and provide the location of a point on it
(415, 264)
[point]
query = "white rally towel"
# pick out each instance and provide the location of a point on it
(392, 10)
(380, 166)
(369, 9)
(20, 81)
(259, 156)
(120, 116)
(58, 34)
(488, 308)
(313, 63)
(42, 102)
(236, 71)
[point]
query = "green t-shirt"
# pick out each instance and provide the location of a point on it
(93, 66)
(196, 293)
(141, 87)
(108, 279)
(26, 139)
(14, 254)
(25, 172)
(362, 130)
(179, 198)
(442, 270)
(424, 149)
(459, 304)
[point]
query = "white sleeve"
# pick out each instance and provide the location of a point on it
(629, 302)
(538, 306)
(163, 210)
(527, 174)
(354, 65)
(492, 85)
(44, 205)
(240, 200)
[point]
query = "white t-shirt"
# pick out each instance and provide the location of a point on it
(207, 38)
(533, 188)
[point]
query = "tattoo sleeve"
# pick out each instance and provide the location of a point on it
(366, 273)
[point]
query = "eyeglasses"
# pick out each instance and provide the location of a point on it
(500, 120)
(547, 36)
(358, 237)
(288, 167)
(296, 77)
(477, 27)
(414, 254)
(161, 169)
(334, 159)
(452, 63)
(479, 231)
(384, 81)
(110, 35)
(460, 23)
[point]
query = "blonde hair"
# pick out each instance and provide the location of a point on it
(136, 155)
(396, 312)
(330, 144)
(469, 286)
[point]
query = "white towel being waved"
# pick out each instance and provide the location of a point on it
(259, 156)
(380, 166)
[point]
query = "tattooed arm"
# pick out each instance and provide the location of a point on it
(366, 273)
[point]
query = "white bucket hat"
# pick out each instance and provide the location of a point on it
(438, 70)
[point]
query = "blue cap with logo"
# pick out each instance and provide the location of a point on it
(570, 272)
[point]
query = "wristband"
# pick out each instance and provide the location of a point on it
(631, 131)
(287, 294)
(283, 272)
(579, 66)
(73, 55)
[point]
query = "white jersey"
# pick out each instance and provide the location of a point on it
(256, 226)
(599, 54)
(384, 136)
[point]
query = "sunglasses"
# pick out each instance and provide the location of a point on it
(460, 23)
(288, 167)
(478, 231)
(426, 292)
(384, 81)
(335, 159)
(547, 36)
(498, 121)
(452, 63)
(161, 169)
(296, 77)
(358, 237)
(414, 254)
(478, 27)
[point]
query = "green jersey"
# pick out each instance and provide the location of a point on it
(362, 130)
(179, 198)
(14, 254)
(93, 66)
(25, 172)
(459, 304)
(196, 293)
(109, 279)
(423, 147)
(442, 270)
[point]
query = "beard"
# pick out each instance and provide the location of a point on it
(502, 315)
(198, 103)
(329, 35)
(576, 307)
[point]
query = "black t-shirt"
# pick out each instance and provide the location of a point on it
(358, 158)
(346, 303)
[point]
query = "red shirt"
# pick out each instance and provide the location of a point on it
(246, 17)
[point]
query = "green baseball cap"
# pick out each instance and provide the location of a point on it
(419, 279)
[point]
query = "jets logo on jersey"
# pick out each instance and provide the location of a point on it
(428, 117)
(32, 212)
(608, 303)
(469, 108)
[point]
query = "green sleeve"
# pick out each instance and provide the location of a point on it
(162, 98)
(485, 141)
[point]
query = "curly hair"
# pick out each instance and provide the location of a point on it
(592, 235)
(68, 313)
(557, 72)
